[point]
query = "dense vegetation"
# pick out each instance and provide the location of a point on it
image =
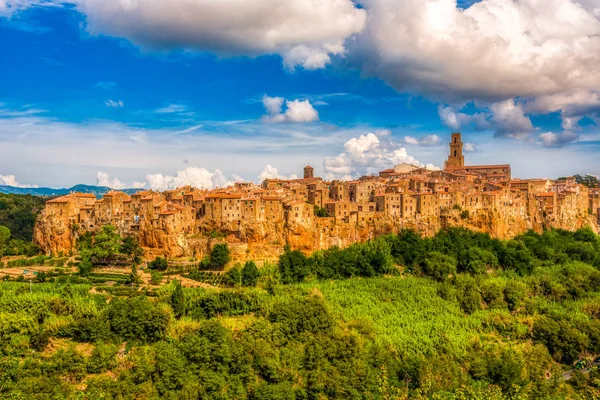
(456, 316)
(17, 218)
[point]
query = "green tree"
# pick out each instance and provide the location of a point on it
(106, 245)
(234, 276)
(85, 266)
(134, 278)
(131, 247)
(250, 274)
(320, 212)
(177, 301)
(438, 265)
(4, 235)
(156, 277)
(219, 255)
(159, 264)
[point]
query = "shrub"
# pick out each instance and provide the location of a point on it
(138, 319)
(159, 264)
(219, 255)
(250, 274)
(438, 265)
(177, 301)
(156, 277)
(305, 315)
(464, 214)
(233, 277)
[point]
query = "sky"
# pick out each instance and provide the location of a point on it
(159, 94)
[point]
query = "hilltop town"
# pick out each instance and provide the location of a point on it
(310, 213)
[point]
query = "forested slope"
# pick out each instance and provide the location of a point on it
(457, 316)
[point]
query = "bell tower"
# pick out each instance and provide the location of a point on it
(309, 172)
(456, 158)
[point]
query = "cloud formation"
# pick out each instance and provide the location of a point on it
(271, 172)
(429, 140)
(296, 110)
(544, 53)
(114, 104)
(304, 32)
(193, 176)
(368, 154)
(11, 180)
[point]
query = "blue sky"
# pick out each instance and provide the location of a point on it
(83, 100)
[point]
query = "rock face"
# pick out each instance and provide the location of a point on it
(183, 232)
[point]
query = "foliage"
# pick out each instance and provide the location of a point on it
(177, 301)
(320, 212)
(250, 274)
(18, 213)
(219, 255)
(468, 317)
(159, 264)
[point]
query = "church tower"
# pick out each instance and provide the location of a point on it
(309, 172)
(456, 158)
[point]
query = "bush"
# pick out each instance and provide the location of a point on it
(159, 264)
(85, 266)
(156, 277)
(233, 277)
(438, 265)
(219, 255)
(250, 274)
(306, 315)
(138, 319)
(464, 214)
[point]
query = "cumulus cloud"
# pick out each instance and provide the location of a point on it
(429, 140)
(11, 180)
(551, 139)
(493, 50)
(114, 104)
(509, 119)
(271, 172)
(505, 118)
(367, 154)
(543, 53)
(456, 120)
(303, 32)
(193, 176)
(295, 110)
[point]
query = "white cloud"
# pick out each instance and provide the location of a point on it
(103, 179)
(171, 109)
(551, 139)
(493, 50)
(505, 118)
(114, 103)
(271, 172)
(429, 140)
(197, 177)
(509, 119)
(11, 180)
(470, 148)
(367, 154)
(303, 32)
(296, 110)
(106, 85)
(543, 53)
(456, 120)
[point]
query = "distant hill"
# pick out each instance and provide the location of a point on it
(99, 191)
